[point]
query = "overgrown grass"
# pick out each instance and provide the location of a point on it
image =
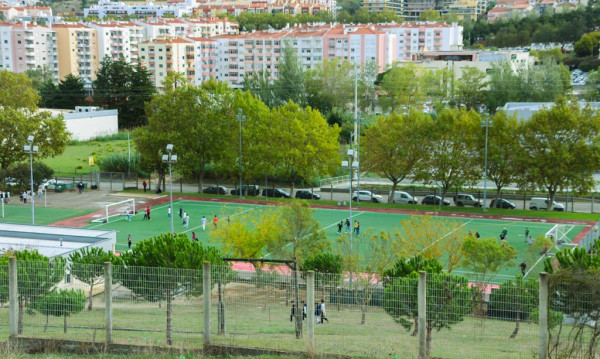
(76, 156)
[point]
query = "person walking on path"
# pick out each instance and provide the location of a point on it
(144, 184)
(24, 197)
(203, 223)
(347, 225)
(340, 226)
(215, 221)
(129, 241)
(323, 312)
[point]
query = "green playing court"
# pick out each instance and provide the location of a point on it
(370, 222)
(21, 213)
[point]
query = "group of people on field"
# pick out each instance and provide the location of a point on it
(320, 312)
(342, 224)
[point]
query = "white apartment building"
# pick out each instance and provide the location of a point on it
(415, 38)
(205, 58)
(6, 44)
(171, 8)
(118, 40)
(163, 56)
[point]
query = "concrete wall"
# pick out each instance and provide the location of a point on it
(87, 125)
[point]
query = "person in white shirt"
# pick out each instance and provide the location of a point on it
(203, 223)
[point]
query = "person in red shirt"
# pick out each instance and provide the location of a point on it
(148, 212)
(215, 221)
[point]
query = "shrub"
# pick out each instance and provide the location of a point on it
(118, 162)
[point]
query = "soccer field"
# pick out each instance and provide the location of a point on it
(370, 222)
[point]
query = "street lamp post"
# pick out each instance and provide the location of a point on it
(350, 164)
(170, 159)
(240, 117)
(487, 123)
(31, 149)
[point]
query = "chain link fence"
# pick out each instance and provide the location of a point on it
(426, 315)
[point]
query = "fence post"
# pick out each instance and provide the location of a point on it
(543, 310)
(108, 300)
(110, 174)
(123, 179)
(331, 191)
(13, 292)
(181, 184)
(310, 310)
(206, 295)
(221, 310)
(422, 314)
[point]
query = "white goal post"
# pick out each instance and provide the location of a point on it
(558, 233)
(120, 208)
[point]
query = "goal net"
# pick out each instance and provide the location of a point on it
(558, 233)
(117, 209)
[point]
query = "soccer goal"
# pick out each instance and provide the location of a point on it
(117, 209)
(558, 233)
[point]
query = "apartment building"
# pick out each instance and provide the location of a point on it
(77, 51)
(378, 5)
(149, 9)
(6, 47)
(26, 13)
(118, 40)
(205, 58)
(411, 10)
(415, 38)
(163, 56)
(34, 47)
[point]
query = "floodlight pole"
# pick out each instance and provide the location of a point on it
(170, 158)
(351, 163)
(30, 148)
(486, 124)
(240, 118)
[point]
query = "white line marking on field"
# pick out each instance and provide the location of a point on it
(445, 235)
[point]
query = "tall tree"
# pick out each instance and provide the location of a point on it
(70, 92)
(470, 88)
(563, 148)
(164, 257)
(60, 303)
(330, 84)
(520, 295)
(400, 86)
(289, 86)
(452, 143)
(19, 119)
(303, 144)
(125, 87)
(394, 145)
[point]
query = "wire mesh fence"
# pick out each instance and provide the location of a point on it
(352, 315)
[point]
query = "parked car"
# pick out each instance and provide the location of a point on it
(9, 181)
(304, 194)
(542, 203)
(431, 199)
(403, 197)
(215, 190)
(367, 196)
(52, 184)
(275, 192)
(251, 190)
(462, 199)
(502, 203)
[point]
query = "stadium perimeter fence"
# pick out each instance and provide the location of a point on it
(426, 315)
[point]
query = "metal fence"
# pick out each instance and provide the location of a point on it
(430, 315)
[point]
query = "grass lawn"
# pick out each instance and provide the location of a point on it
(75, 158)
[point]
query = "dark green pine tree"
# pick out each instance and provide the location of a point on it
(71, 92)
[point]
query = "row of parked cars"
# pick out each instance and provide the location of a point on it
(461, 200)
(254, 190)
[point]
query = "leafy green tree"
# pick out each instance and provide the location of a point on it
(289, 86)
(39, 77)
(328, 269)
(125, 87)
(60, 303)
(37, 275)
(21, 173)
(260, 85)
(563, 147)
(367, 91)
(70, 92)
(394, 145)
(442, 311)
(430, 15)
(166, 258)
(587, 45)
(470, 88)
(87, 265)
(452, 142)
(19, 119)
(503, 86)
(330, 84)
(400, 86)
(48, 94)
(302, 144)
(520, 295)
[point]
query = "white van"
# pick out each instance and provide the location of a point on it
(542, 204)
(402, 197)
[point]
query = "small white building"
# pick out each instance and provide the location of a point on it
(87, 122)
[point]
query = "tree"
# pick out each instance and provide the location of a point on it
(330, 84)
(400, 86)
(37, 275)
(520, 295)
(442, 311)
(430, 15)
(125, 87)
(394, 145)
(21, 173)
(563, 147)
(503, 86)
(39, 77)
(369, 256)
(48, 94)
(70, 92)
(87, 265)
(165, 256)
(452, 143)
(60, 303)
(289, 86)
(470, 88)
(19, 119)
(327, 267)
(367, 91)
(303, 146)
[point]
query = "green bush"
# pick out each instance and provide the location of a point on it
(118, 162)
